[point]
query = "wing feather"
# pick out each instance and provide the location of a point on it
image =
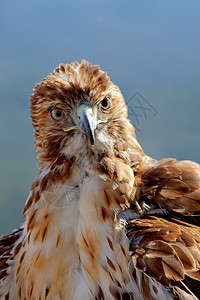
(165, 250)
(7, 244)
(165, 238)
(173, 185)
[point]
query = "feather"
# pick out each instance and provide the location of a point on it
(103, 220)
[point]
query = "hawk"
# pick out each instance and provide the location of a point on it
(103, 220)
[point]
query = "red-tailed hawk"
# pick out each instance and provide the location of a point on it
(103, 220)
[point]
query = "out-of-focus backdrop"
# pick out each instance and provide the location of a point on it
(151, 49)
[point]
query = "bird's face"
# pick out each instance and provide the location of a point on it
(77, 110)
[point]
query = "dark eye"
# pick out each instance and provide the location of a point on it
(106, 103)
(57, 114)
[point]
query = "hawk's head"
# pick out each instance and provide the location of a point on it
(78, 110)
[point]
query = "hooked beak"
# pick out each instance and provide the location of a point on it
(87, 121)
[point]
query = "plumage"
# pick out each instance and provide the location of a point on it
(103, 220)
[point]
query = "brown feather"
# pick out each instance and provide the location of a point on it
(93, 203)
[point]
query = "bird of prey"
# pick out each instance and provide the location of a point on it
(103, 220)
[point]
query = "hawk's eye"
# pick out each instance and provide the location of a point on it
(57, 114)
(106, 103)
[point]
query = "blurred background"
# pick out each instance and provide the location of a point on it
(150, 49)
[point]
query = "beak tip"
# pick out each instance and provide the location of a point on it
(87, 123)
